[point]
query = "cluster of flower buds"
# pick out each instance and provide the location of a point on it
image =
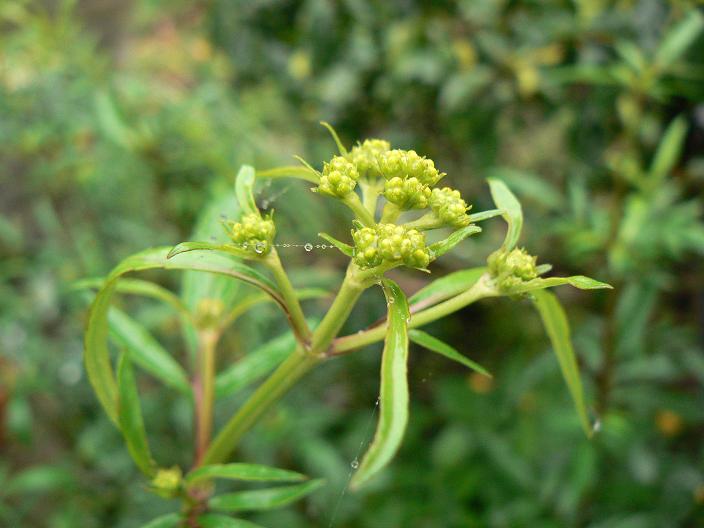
(407, 193)
(253, 233)
(408, 164)
(365, 157)
(167, 482)
(389, 244)
(510, 268)
(449, 207)
(339, 177)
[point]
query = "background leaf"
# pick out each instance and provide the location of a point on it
(241, 471)
(264, 499)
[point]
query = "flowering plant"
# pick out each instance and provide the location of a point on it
(395, 202)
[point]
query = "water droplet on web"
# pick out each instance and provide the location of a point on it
(408, 320)
(391, 300)
(259, 247)
(308, 246)
(244, 245)
(596, 427)
(354, 464)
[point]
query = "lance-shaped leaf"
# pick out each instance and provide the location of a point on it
(335, 137)
(557, 328)
(170, 520)
(484, 215)
(446, 287)
(669, 150)
(345, 248)
(393, 393)
(96, 356)
(130, 418)
(440, 347)
(578, 281)
(443, 246)
(244, 189)
(240, 471)
(146, 351)
(293, 171)
(679, 38)
(137, 287)
(214, 520)
(185, 247)
(264, 499)
(512, 212)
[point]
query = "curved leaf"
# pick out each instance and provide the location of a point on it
(440, 347)
(393, 394)
(668, 151)
(264, 499)
(335, 137)
(146, 351)
(679, 38)
(294, 171)
(484, 215)
(346, 249)
(244, 189)
(578, 281)
(130, 418)
(96, 356)
(137, 287)
(557, 328)
(443, 246)
(512, 212)
(213, 520)
(239, 471)
(185, 247)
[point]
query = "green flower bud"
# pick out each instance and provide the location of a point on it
(166, 482)
(449, 207)
(511, 268)
(339, 178)
(252, 233)
(365, 157)
(407, 193)
(408, 164)
(389, 243)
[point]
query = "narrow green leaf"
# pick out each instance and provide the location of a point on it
(448, 286)
(393, 394)
(254, 365)
(240, 471)
(484, 215)
(512, 212)
(111, 123)
(170, 520)
(137, 287)
(301, 173)
(38, 479)
(578, 281)
(213, 520)
(130, 417)
(333, 133)
(669, 150)
(436, 345)
(264, 499)
(345, 248)
(244, 189)
(146, 351)
(679, 38)
(185, 247)
(443, 246)
(557, 328)
(96, 356)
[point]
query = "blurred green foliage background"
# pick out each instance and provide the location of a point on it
(120, 122)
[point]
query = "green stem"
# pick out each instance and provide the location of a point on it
(268, 393)
(482, 289)
(370, 195)
(362, 213)
(204, 391)
(390, 213)
(289, 372)
(288, 293)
